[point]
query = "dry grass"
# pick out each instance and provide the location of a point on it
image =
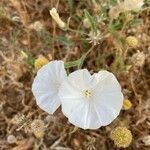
(17, 33)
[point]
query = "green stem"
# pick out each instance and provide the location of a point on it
(84, 57)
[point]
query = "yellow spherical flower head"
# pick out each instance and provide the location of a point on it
(132, 41)
(127, 104)
(38, 128)
(121, 136)
(40, 62)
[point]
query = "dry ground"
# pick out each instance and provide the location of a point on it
(16, 75)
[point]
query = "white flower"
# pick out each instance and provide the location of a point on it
(46, 85)
(55, 16)
(133, 4)
(90, 102)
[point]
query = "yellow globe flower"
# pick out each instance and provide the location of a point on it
(121, 136)
(132, 41)
(127, 104)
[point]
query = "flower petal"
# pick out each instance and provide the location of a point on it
(107, 96)
(106, 81)
(91, 112)
(108, 107)
(46, 85)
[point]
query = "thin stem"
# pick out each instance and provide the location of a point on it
(84, 57)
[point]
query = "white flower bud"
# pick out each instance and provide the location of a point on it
(55, 16)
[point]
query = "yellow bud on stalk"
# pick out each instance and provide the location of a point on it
(40, 62)
(121, 136)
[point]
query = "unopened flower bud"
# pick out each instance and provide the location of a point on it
(56, 17)
(40, 62)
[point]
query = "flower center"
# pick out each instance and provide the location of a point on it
(87, 93)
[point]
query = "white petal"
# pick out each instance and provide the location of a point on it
(85, 116)
(108, 106)
(106, 81)
(46, 84)
(99, 110)
(107, 96)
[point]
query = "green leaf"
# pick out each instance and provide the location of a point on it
(147, 2)
(70, 5)
(136, 22)
(63, 40)
(98, 1)
(113, 2)
(82, 61)
(91, 20)
(30, 59)
(72, 64)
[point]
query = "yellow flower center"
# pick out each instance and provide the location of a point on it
(87, 93)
